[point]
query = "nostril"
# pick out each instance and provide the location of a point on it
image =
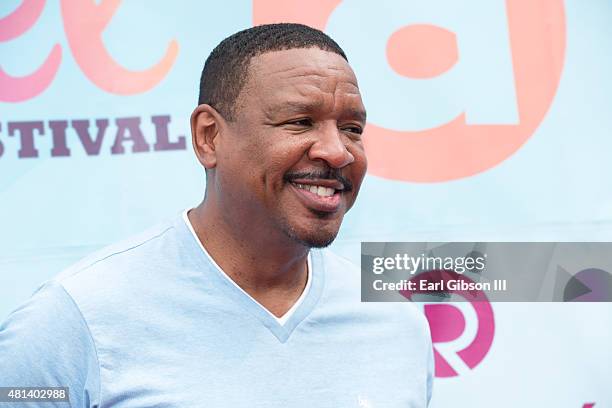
(332, 150)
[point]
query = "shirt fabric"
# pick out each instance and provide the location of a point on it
(152, 322)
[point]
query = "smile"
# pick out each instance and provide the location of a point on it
(317, 197)
(318, 190)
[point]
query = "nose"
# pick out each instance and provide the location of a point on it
(331, 148)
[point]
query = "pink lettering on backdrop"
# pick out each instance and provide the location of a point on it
(447, 322)
(537, 37)
(422, 51)
(20, 20)
(84, 22)
(17, 89)
(274, 11)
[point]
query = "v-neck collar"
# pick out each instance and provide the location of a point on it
(281, 331)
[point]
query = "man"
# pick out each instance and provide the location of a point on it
(228, 306)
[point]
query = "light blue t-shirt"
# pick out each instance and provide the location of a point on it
(152, 322)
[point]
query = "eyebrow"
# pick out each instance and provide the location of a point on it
(295, 106)
(358, 114)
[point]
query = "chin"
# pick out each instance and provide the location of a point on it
(316, 240)
(315, 230)
(314, 237)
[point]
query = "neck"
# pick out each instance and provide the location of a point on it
(269, 266)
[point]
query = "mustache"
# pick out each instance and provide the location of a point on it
(328, 174)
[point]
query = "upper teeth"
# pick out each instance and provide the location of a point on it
(318, 190)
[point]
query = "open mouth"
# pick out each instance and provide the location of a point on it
(318, 197)
(321, 191)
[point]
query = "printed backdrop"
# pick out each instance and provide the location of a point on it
(489, 121)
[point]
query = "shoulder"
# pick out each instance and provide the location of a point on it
(49, 310)
(121, 281)
(136, 249)
(56, 334)
(117, 272)
(47, 342)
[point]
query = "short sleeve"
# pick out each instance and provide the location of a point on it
(46, 343)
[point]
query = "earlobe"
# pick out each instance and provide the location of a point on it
(204, 134)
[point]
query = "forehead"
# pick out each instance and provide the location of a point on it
(304, 75)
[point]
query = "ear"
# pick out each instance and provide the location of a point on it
(206, 124)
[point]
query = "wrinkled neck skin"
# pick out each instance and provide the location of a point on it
(264, 262)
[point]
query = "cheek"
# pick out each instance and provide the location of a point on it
(283, 157)
(268, 167)
(360, 165)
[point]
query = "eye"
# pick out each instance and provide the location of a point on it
(354, 129)
(301, 123)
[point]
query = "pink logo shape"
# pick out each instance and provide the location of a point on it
(84, 22)
(422, 51)
(447, 322)
(17, 89)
